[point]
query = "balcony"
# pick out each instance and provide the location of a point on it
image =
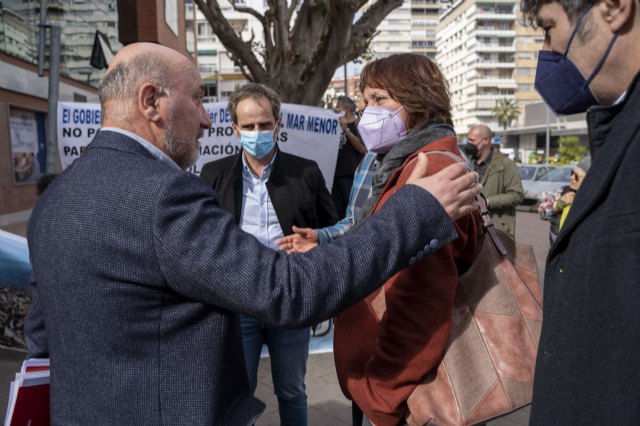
(495, 47)
(494, 32)
(500, 83)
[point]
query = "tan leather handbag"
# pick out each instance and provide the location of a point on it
(488, 364)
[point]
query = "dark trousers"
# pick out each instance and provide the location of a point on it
(340, 193)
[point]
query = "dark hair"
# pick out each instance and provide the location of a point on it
(43, 182)
(254, 91)
(416, 82)
(573, 9)
(347, 102)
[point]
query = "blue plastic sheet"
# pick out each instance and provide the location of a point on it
(14, 260)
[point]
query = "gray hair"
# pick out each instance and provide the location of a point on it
(347, 102)
(123, 82)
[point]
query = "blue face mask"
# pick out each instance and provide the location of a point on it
(560, 82)
(257, 144)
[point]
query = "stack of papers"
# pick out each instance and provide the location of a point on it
(29, 395)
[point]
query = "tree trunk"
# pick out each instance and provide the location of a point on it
(300, 57)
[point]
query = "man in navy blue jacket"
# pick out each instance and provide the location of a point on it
(138, 272)
(587, 366)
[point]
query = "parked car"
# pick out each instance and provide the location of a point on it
(539, 190)
(532, 172)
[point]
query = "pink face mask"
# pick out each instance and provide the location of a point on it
(381, 128)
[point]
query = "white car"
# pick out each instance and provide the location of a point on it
(532, 172)
(537, 191)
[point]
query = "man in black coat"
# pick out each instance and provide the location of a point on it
(137, 272)
(588, 366)
(268, 191)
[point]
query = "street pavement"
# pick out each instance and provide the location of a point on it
(327, 405)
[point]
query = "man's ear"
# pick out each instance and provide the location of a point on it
(234, 127)
(616, 13)
(148, 97)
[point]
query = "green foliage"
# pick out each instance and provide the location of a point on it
(506, 111)
(570, 150)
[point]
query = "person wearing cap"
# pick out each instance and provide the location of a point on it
(556, 208)
(577, 176)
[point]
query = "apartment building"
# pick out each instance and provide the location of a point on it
(219, 73)
(394, 32)
(424, 23)
(409, 28)
(528, 43)
(476, 43)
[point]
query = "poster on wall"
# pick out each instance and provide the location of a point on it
(27, 145)
(308, 132)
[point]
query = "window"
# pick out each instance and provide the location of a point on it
(171, 15)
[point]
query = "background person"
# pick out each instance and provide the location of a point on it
(138, 272)
(350, 153)
(268, 191)
(380, 360)
(556, 208)
(587, 365)
(499, 177)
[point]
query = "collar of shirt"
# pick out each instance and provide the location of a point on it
(247, 172)
(153, 150)
(620, 99)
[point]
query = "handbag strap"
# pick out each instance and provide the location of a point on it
(487, 224)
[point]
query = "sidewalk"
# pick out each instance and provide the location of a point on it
(327, 405)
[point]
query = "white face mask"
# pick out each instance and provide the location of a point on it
(381, 128)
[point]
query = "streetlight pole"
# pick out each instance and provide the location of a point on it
(547, 140)
(54, 83)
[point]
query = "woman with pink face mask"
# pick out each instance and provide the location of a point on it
(381, 359)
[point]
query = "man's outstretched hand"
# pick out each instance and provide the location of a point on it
(302, 240)
(455, 187)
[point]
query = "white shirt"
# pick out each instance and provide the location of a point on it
(258, 217)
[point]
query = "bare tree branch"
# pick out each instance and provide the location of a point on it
(294, 4)
(231, 41)
(250, 11)
(365, 28)
(300, 54)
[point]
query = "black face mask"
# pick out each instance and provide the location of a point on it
(470, 150)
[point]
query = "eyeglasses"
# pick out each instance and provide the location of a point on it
(575, 175)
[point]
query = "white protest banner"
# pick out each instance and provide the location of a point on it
(77, 124)
(308, 132)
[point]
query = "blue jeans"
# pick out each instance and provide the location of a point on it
(288, 350)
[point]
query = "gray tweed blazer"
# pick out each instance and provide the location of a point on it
(138, 276)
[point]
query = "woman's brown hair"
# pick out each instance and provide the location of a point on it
(416, 82)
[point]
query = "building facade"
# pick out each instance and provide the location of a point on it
(24, 96)
(476, 50)
(424, 23)
(220, 74)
